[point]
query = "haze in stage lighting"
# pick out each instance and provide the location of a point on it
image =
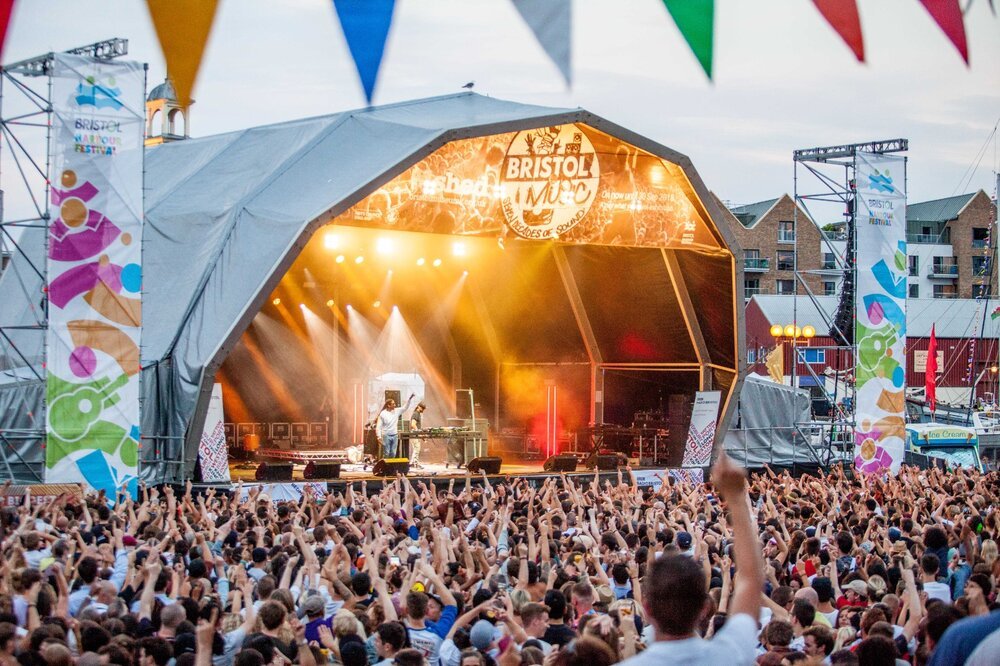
(421, 261)
(458, 249)
(331, 241)
(384, 245)
(437, 262)
(277, 301)
(359, 259)
(340, 258)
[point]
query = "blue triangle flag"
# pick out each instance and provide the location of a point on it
(366, 27)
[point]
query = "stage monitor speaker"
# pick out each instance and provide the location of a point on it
(395, 396)
(488, 464)
(606, 461)
(274, 472)
(463, 403)
(563, 462)
(321, 470)
(391, 467)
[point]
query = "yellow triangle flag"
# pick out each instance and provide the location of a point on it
(182, 26)
(776, 364)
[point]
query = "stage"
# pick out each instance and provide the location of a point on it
(360, 472)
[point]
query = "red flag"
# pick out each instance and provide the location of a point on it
(948, 15)
(842, 15)
(6, 8)
(930, 374)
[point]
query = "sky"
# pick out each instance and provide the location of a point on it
(783, 80)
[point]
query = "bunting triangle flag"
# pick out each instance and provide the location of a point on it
(6, 9)
(183, 26)
(842, 15)
(366, 28)
(948, 15)
(552, 23)
(696, 21)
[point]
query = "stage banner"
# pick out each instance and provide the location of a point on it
(880, 312)
(94, 273)
(701, 433)
(287, 492)
(654, 478)
(212, 450)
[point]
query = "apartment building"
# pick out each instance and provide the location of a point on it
(948, 245)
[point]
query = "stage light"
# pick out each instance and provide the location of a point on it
(384, 245)
(465, 273)
(458, 249)
(331, 241)
(340, 258)
(377, 304)
(349, 307)
(421, 261)
(395, 308)
(302, 306)
(277, 301)
(329, 303)
(437, 262)
(359, 259)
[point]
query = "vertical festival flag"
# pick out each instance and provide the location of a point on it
(842, 15)
(696, 21)
(182, 26)
(94, 273)
(701, 432)
(880, 326)
(366, 27)
(552, 23)
(930, 374)
(948, 15)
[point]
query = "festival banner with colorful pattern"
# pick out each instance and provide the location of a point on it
(880, 306)
(94, 273)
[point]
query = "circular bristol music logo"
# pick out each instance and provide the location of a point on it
(548, 181)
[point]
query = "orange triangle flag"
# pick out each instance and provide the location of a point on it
(182, 26)
(842, 15)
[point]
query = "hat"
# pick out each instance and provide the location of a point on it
(810, 531)
(129, 541)
(858, 587)
(683, 540)
(481, 635)
(605, 595)
(263, 497)
(894, 534)
(314, 605)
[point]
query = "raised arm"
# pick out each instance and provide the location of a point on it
(730, 481)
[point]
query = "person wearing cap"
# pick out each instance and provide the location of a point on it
(685, 543)
(314, 608)
(483, 636)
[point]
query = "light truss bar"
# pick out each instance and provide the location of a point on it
(42, 65)
(827, 153)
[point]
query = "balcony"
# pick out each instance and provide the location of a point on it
(980, 244)
(943, 271)
(933, 239)
(945, 294)
(756, 264)
(785, 236)
(750, 292)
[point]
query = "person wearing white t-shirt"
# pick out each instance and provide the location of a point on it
(675, 594)
(929, 565)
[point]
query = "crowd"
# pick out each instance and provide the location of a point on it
(573, 571)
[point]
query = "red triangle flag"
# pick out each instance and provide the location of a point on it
(948, 15)
(842, 15)
(6, 9)
(930, 374)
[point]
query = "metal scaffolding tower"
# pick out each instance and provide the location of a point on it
(829, 189)
(25, 154)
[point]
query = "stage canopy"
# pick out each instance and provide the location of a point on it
(227, 217)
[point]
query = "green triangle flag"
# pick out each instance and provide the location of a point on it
(696, 20)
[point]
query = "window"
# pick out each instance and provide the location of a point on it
(829, 261)
(979, 266)
(786, 232)
(914, 265)
(752, 260)
(751, 288)
(945, 266)
(751, 356)
(945, 291)
(808, 355)
(914, 291)
(785, 286)
(829, 287)
(980, 237)
(786, 260)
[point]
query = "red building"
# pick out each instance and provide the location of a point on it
(961, 326)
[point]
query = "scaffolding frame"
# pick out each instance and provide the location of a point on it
(832, 177)
(26, 135)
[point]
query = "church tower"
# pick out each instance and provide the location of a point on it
(166, 119)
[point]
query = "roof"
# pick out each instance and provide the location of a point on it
(750, 214)
(938, 210)
(163, 91)
(953, 317)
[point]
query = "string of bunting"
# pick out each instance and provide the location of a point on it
(183, 28)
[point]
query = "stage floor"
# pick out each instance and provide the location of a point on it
(357, 472)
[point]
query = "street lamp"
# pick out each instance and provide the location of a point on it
(793, 333)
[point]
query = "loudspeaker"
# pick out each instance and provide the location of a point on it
(463, 403)
(488, 464)
(274, 472)
(394, 395)
(391, 467)
(605, 461)
(321, 470)
(564, 462)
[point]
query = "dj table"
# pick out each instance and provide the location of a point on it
(464, 444)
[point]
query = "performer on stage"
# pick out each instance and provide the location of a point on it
(387, 426)
(416, 420)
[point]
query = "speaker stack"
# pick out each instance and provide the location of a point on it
(274, 472)
(563, 462)
(391, 467)
(606, 461)
(321, 470)
(488, 464)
